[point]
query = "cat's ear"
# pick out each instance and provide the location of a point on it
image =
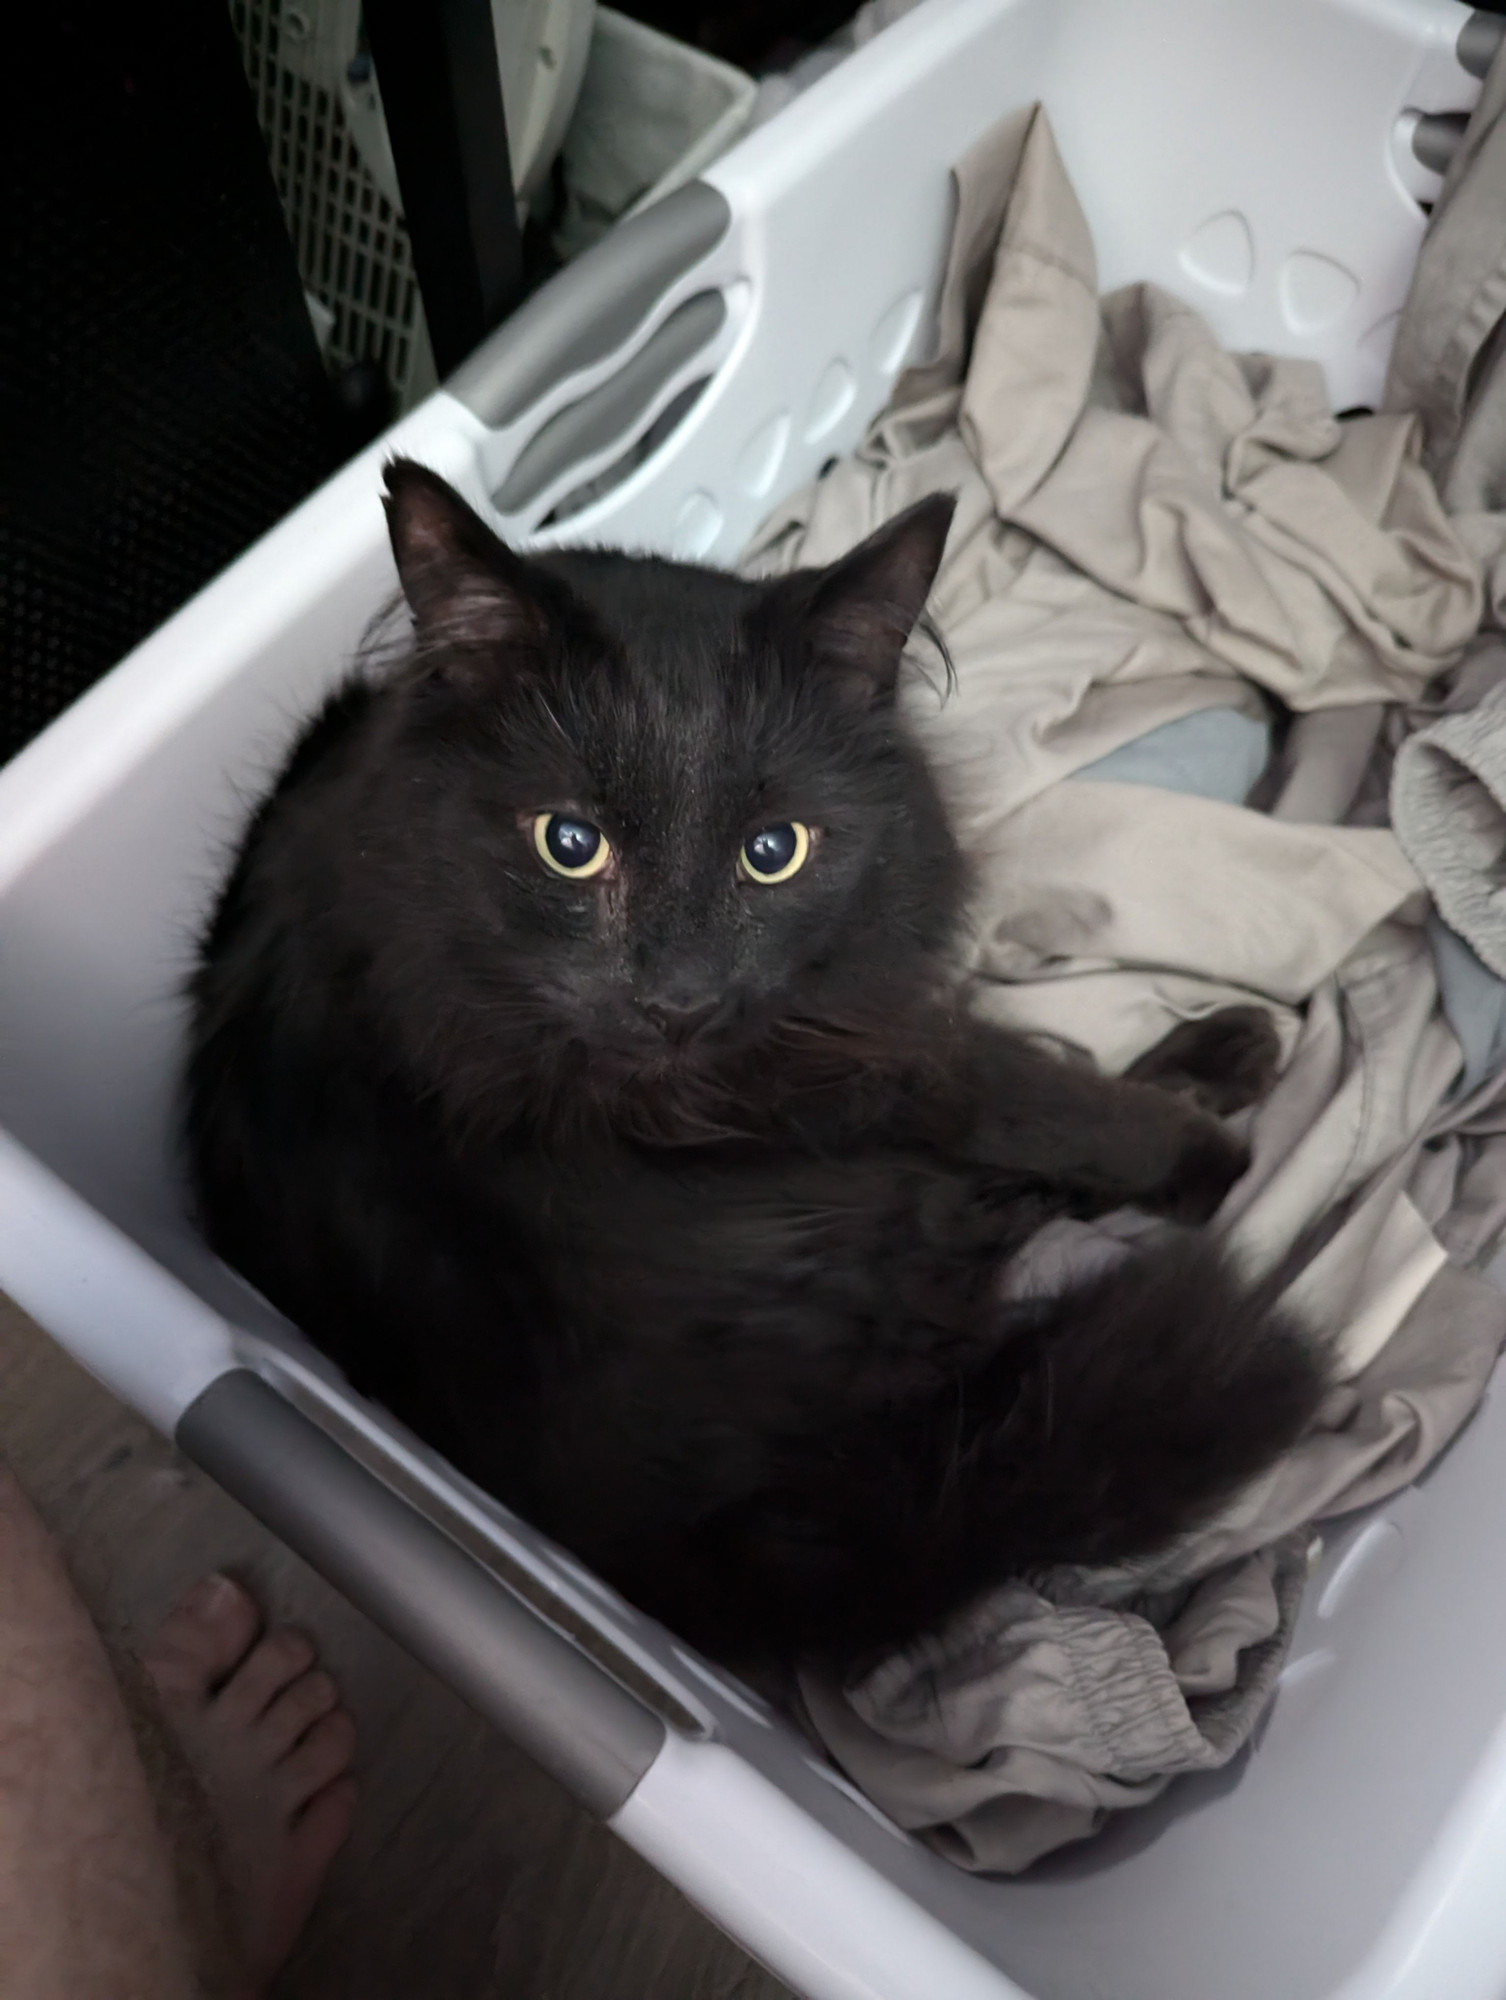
(862, 609)
(465, 588)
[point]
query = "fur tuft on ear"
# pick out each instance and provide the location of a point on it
(465, 587)
(859, 613)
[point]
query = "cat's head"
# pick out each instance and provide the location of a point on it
(640, 817)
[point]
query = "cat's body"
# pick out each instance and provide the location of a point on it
(574, 1060)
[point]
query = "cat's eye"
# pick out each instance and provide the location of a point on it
(571, 847)
(775, 853)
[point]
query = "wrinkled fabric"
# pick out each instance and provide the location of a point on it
(1038, 1714)
(1043, 1710)
(1435, 801)
(1340, 1134)
(1324, 764)
(1145, 525)
(1446, 359)
(1156, 547)
(1448, 806)
(1259, 903)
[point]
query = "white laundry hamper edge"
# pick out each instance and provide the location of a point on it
(792, 1894)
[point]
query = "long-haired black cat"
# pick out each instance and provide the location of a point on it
(575, 1060)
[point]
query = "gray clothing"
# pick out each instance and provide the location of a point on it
(1218, 753)
(1152, 539)
(1446, 359)
(1446, 362)
(1473, 1001)
(1448, 806)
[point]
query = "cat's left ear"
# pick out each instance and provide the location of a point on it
(465, 588)
(862, 609)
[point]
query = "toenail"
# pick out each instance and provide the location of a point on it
(211, 1595)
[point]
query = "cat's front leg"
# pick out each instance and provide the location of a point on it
(1224, 1061)
(1105, 1140)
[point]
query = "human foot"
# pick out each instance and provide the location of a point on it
(261, 1725)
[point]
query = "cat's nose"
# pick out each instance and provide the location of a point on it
(679, 1021)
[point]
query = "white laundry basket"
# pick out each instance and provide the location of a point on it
(1253, 155)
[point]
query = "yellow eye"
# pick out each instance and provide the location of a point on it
(775, 853)
(570, 847)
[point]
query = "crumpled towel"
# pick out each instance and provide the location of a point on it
(1448, 809)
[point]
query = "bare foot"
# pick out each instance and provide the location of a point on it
(262, 1726)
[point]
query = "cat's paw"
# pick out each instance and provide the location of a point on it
(1224, 1062)
(1210, 1163)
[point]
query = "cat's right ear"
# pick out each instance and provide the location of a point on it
(858, 614)
(465, 588)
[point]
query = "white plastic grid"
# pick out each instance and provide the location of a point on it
(352, 245)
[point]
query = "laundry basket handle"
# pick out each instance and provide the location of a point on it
(587, 311)
(424, 1590)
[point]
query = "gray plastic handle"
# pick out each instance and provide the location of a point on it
(422, 1588)
(607, 413)
(587, 311)
(1479, 38)
(1436, 138)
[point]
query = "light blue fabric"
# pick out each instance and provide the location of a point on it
(1474, 1004)
(1214, 753)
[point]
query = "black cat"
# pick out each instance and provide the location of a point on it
(574, 1059)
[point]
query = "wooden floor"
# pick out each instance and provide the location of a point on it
(471, 1875)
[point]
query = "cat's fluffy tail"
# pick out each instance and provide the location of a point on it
(1095, 1426)
(1141, 1400)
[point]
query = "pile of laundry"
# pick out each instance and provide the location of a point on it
(1228, 727)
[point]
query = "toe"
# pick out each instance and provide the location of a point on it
(309, 1845)
(301, 1704)
(202, 1639)
(272, 1664)
(322, 1755)
(323, 1826)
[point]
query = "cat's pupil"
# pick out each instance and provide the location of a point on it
(572, 842)
(772, 849)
